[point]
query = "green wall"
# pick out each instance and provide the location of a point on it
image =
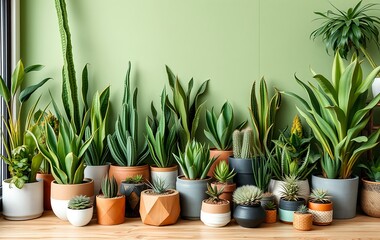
(233, 43)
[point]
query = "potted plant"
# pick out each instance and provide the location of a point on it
(80, 210)
(162, 139)
(159, 205)
(195, 163)
(303, 219)
(215, 212)
(248, 211)
(338, 129)
(370, 192)
(350, 31)
(97, 153)
(321, 207)
(270, 212)
(292, 155)
(123, 143)
(219, 133)
(110, 207)
(132, 187)
(290, 200)
(223, 177)
(22, 193)
(261, 176)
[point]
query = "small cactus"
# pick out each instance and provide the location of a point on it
(158, 186)
(319, 196)
(247, 195)
(303, 209)
(222, 172)
(214, 192)
(135, 180)
(80, 202)
(109, 187)
(290, 188)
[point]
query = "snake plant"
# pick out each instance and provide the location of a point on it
(337, 113)
(123, 143)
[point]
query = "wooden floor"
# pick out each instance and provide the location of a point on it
(50, 227)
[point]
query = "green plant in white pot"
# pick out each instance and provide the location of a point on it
(337, 113)
(80, 210)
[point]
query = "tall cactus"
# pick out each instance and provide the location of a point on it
(247, 144)
(237, 139)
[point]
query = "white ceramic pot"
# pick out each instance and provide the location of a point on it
(168, 175)
(79, 218)
(96, 173)
(376, 87)
(275, 187)
(25, 203)
(215, 215)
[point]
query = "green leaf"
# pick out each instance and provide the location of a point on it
(4, 91)
(27, 92)
(17, 77)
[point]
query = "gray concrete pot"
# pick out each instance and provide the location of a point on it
(243, 169)
(192, 193)
(344, 193)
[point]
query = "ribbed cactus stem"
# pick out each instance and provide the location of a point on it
(247, 144)
(237, 139)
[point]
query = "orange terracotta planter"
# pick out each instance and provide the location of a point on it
(270, 216)
(47, 179)
(229, 188)
(159, 210)
(303, 222)
(322, 213)
(121, 173)
(222, 155)
(110, 211)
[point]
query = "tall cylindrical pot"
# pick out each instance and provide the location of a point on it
(243, 169)
(96, 173)
(275, 187)
(370, 198)
(221, 155)
(47, 179)
(168, 175)
(249, 216)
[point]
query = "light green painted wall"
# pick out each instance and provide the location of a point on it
(230, 42)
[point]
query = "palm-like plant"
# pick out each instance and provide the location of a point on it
(337, 113)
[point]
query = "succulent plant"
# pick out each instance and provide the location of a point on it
(109, 187)
(290, 188)
(158, 186)
(80, 202)
(372, 169)
(319, 196)
(247, 195)
(243, 143)
(303, 209)
(135, 179)
(222, 172)
(270, 206)
(214, 192)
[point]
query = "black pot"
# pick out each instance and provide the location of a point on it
(243, 169)
(286, 209)
(249, 216)
(132, 194)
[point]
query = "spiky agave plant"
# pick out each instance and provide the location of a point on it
(222, 172)
(303, 209)
(109, 187)
(158, 186)
(319, 196)
(80, 202)
(290, 188)
(214, 193)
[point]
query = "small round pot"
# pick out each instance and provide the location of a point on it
(132, 194)
(322, 213)
(270, 216)
(287, 208)
(96, 173)
(47, 179)
(275, 187)
(159, 210)
(243, 169)
(302, 222)
(80, 218)
(221, 155)
(121, 172)
(370, 197)
(62, 193)
(249, 216)
(215, 215)
(110, 211)
(228, 190)
(168, 175)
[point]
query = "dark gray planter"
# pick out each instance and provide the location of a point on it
(344, 193)
(132, 194)
(286, 209)
(243, 169)
(249, 216)
(192, 193)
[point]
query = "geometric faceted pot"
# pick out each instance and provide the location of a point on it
(249, 216)
(215, 214)
(370, 198)
(132, 192)
(159, 209)
(80, 217)
(122, 172)
(168, 175)
(192, 193)
(110, 211)
(286, 209)
(343, 194)
(221, 155)
(22, 204)
(47, 179)
(275, 187)
(322, 213)
(243, 169)
(62, 193)
(302, 221)
(96, 173)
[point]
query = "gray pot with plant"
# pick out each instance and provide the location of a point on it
(290, 200)
(195, 163)
(132, 188)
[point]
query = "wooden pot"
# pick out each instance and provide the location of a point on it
(270, 216)
(47, 179)
(121, 172)
(159, 210)
(222, 155)
(110, 211)
(322, 213)
(302, 222)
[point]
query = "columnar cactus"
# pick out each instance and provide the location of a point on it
(237, 139)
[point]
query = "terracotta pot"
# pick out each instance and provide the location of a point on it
(132, 194)
(159, 210)
(370, 198)
(121, 173)
(322, 213)
(168, 175)
(302, 222)
(270, 216)
(229, 188)
(222, 155)
(110, 211)
(215, 215)
(62, 193)
(47, 179)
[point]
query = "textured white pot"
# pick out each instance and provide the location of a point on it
(79, 218)
(96, 173)
(376, 87)
(275, 187)
(25, 203)
(168, 175)
(215, 219)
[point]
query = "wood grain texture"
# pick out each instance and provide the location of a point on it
(50, 227)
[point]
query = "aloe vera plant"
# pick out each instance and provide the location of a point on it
(123, 142)
(220, 127)
(337, 113)
(186, 107)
